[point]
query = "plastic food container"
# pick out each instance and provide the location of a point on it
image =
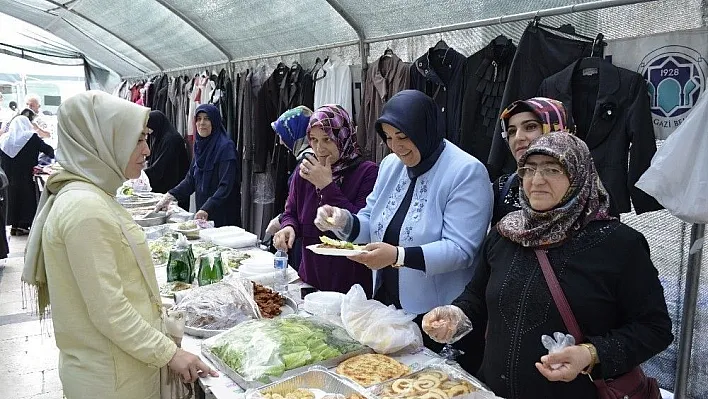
(324, 303)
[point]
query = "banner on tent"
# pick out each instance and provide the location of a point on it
(675, 68)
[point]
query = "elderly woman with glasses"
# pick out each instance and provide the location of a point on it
(522, 122)
(603, 268)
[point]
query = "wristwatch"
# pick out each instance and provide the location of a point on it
(400, 259)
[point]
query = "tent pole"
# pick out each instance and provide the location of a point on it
(693, 277)
(357, 28)
(196, 27)
(595, 5)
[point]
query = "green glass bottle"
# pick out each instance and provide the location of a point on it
(210, 269)
(180, 266)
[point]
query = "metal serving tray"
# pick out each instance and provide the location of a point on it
(245, 384)
(322, 380)
(290, 307)
(451, 371)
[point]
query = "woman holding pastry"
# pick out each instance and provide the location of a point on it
(427, 216)
(604, 271)
(337, 175)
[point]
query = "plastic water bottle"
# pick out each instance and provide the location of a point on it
(280, 263)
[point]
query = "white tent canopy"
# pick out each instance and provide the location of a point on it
(140, 37)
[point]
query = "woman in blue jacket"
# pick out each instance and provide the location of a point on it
(214, 173)
(427, 216)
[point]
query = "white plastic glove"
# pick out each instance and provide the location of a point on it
(557, 343)
(164, 203)
(331, 218)
(446, 324)
(273, 226)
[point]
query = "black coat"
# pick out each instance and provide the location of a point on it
(168, 161)
(612, 114)
(22, 196)
(613, 290)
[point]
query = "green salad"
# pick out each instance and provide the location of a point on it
(260, 350)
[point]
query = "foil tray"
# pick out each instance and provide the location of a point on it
(452, 371)
(245, 384)
(290, 307)
(322, 380)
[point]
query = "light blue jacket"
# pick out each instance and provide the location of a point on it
(448, 217)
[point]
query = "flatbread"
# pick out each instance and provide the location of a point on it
(372, 369)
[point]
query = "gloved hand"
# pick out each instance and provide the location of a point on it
(164, 203)
(331, 218)
(273, 226)
(446, 324)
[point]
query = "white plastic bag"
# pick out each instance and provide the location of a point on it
(383, 329)
(678, 175)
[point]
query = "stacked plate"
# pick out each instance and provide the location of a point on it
(324, 303)
(256, 266)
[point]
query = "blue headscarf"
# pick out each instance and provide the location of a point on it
(209, 151)
(417, 116)
(291, 126)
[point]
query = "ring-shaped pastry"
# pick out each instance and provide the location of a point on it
(402, 385)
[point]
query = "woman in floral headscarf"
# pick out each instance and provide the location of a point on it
(522, 122)
(604, 270)
(336, 175)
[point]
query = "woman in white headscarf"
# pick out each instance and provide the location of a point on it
(87, 255)
(19, 150)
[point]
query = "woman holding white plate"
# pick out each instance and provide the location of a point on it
(427, 216)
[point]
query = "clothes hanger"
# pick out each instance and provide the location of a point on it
(566, 29)
(441, 45)
(590, 65)
(501, 40)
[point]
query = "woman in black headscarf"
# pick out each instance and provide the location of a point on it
(427, 217)
(214, 174)
(168, 161)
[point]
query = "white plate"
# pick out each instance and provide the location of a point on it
(334, 251)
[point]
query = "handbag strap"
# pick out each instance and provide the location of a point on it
(559, 297)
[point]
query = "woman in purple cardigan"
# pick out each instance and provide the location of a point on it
(337, 176)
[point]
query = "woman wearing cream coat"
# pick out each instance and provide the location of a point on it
(104, 296)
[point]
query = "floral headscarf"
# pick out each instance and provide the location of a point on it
(585, 201)
(335, 121)
(551, 113)
(291, 126)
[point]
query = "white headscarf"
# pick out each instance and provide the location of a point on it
(97, 134)
(19, 133)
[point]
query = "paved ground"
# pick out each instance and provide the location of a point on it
(28, 359)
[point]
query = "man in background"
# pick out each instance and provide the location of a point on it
(32, 102)
(6, 113)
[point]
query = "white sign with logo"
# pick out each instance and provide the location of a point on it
(675, 68)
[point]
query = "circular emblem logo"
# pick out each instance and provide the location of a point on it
(676, 77)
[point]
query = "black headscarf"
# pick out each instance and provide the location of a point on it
(213, 149)
(168, 161)
(417, 116)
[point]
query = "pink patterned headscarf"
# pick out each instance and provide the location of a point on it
(335, 121)
(585, 201)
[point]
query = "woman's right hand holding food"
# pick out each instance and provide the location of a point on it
(284, 238)
(443, 322)
(331, 218)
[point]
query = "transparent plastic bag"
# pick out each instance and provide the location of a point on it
(263, 350)
(447, 325)
(557, 343)
(384, 329)
(219, 306)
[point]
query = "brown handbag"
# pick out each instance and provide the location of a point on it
(632, 385)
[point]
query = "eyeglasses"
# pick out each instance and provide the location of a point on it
(547, 172)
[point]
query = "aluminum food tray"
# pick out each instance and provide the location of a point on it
(313, 379)
(290, 307)
(245, 384)
(452, 371)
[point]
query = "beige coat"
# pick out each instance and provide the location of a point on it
(106, 327)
